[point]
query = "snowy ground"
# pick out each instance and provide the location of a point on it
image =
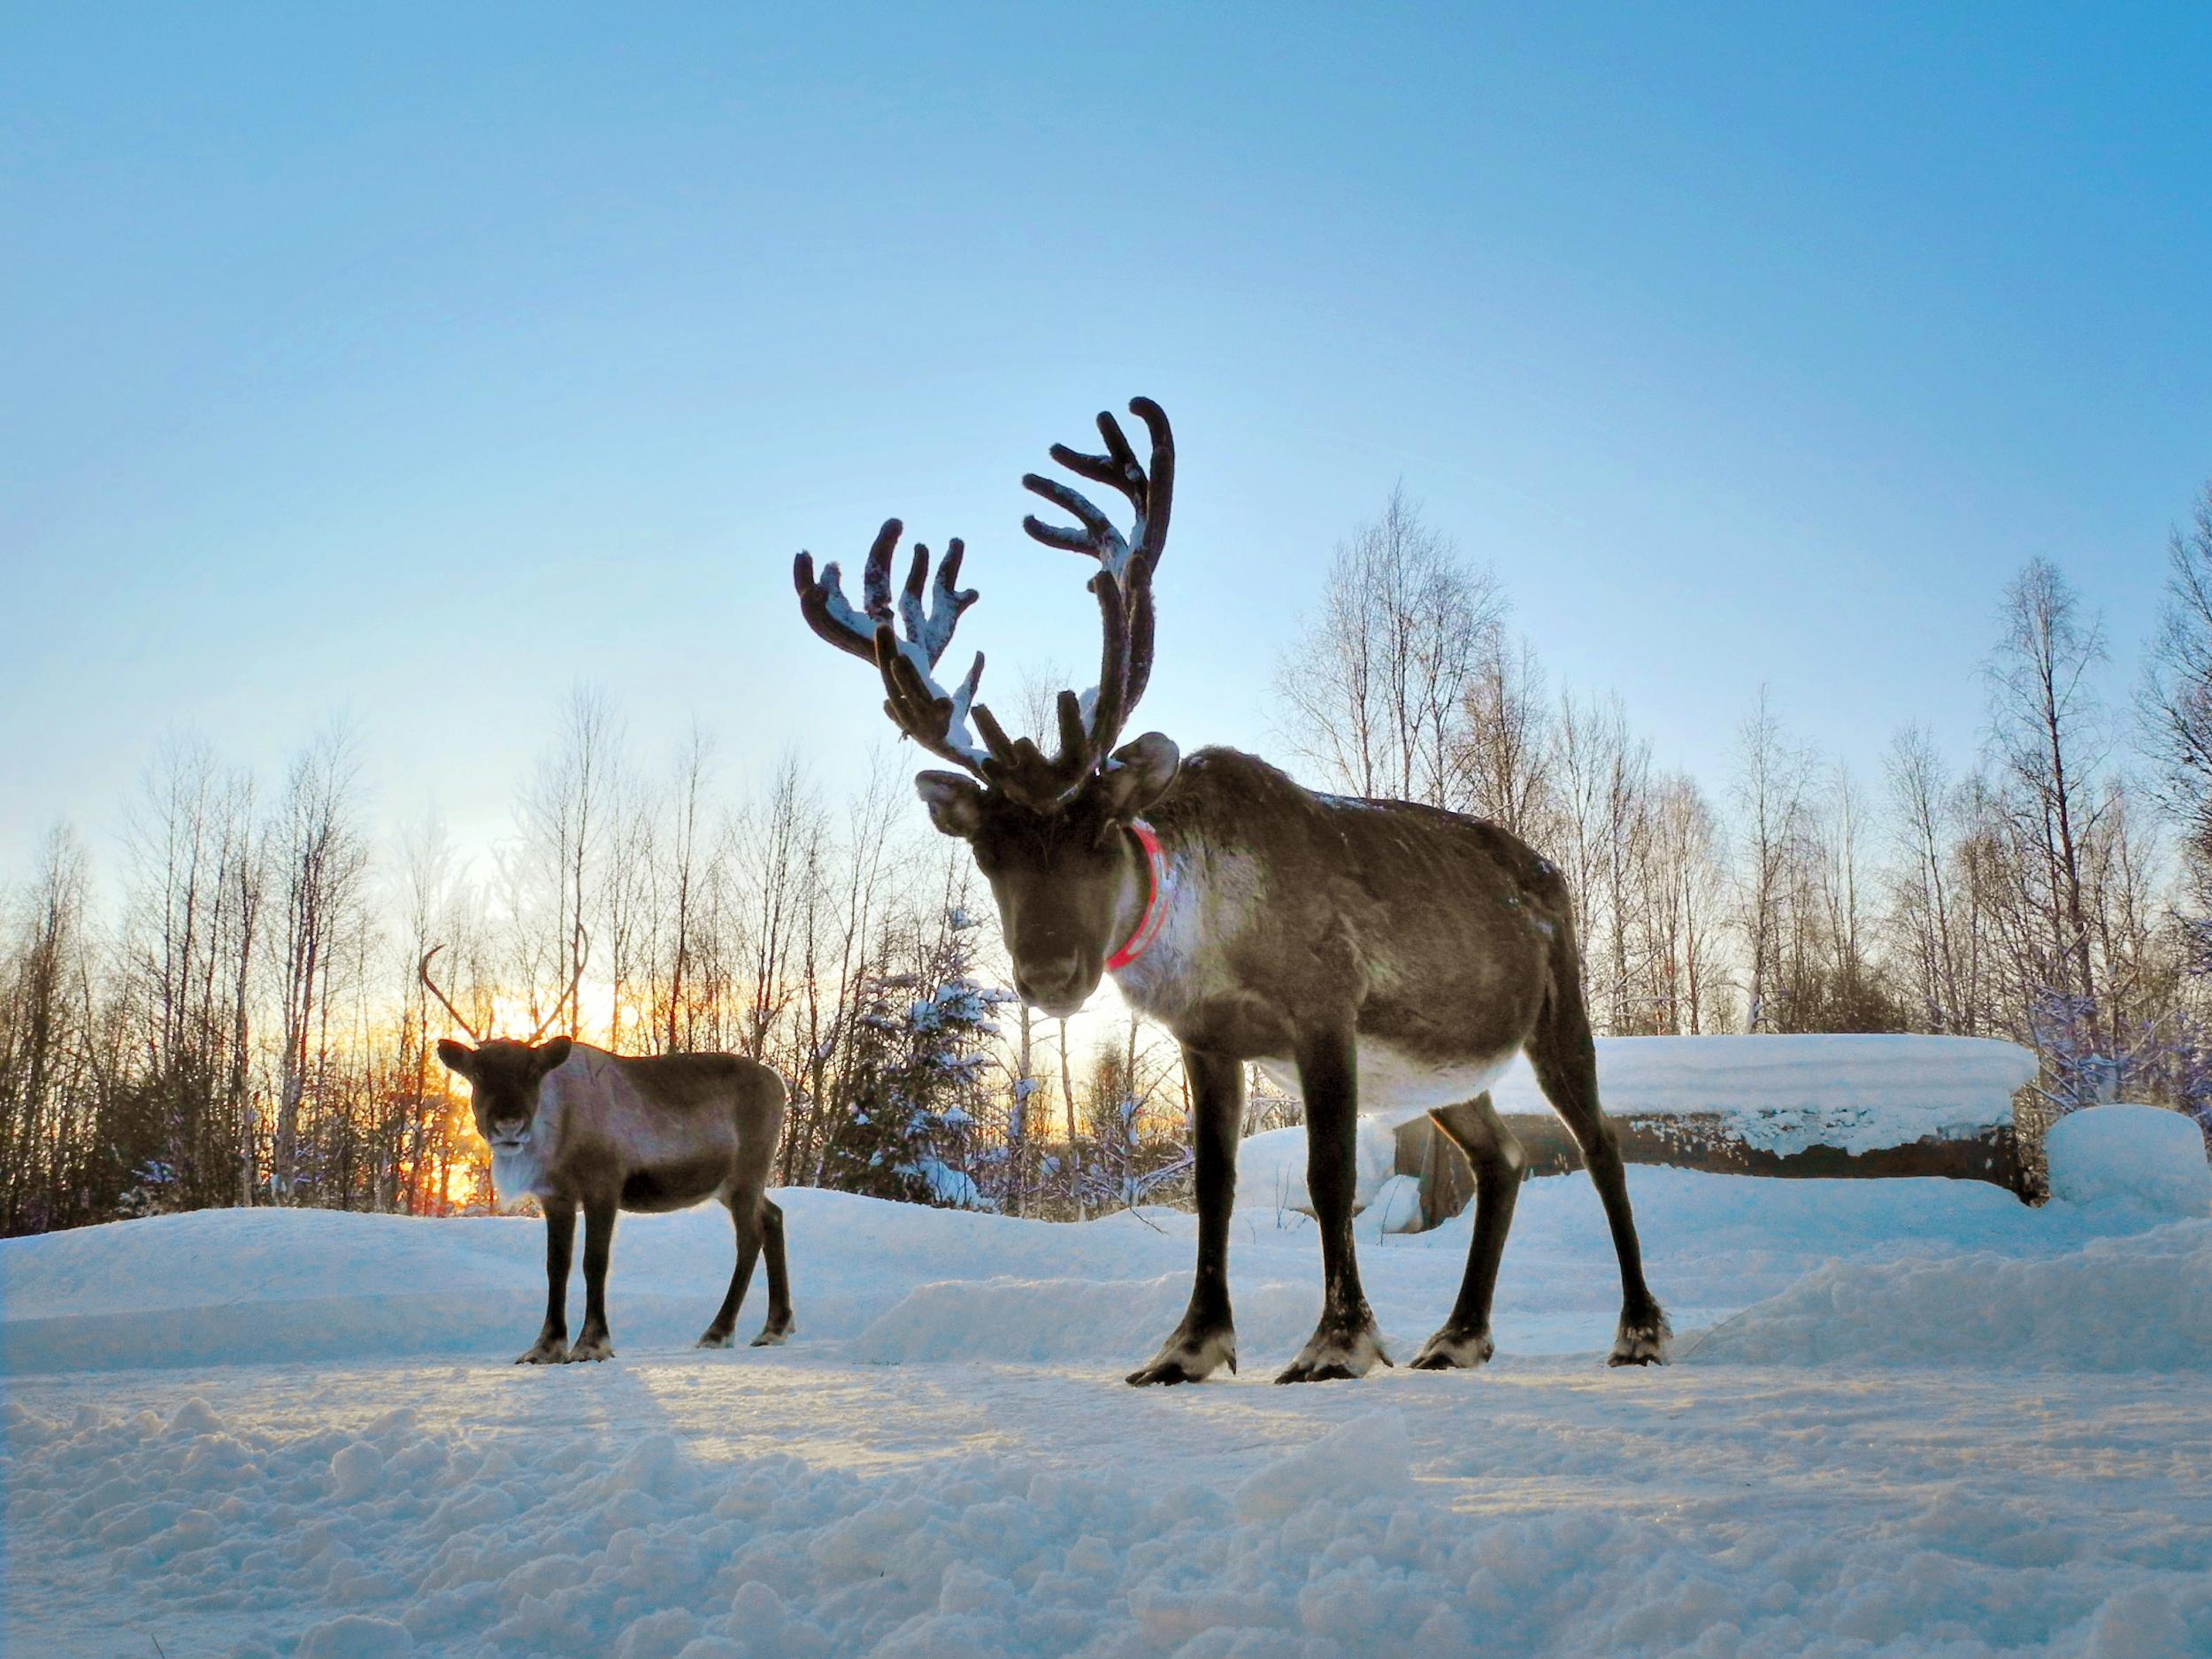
(1910, 1416)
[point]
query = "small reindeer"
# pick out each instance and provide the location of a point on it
(574, 1126)
(1386, 958)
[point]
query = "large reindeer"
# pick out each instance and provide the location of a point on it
(1389, 958)
(576, 1128)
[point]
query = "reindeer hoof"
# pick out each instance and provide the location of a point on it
(1187, 1357)
(591, 1348)
(545, 1354)
(774, 1335)
(717, 1339)
(1170, 1369)
(1455, 1350)
(1641, 1343)
(1337, 1355)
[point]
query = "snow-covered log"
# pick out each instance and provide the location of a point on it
(1822, 1105)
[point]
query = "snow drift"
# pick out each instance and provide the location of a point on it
(902, 1284)
(2116, 1305)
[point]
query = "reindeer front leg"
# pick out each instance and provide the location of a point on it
(1345, 1343)
(1207, 1338)
(593, 1341)
(560, 1248)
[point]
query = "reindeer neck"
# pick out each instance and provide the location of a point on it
(551, 1118)
(1180, 915)
(1139, 896)
(1166, 915)
(1213, 826)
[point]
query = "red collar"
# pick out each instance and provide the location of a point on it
(1154, 916)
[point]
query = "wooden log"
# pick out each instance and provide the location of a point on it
(1448, 1185)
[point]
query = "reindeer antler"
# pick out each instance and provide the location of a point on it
(582, 957)
(925, 710)
(422, 970)
(937, 719)
(1090, 724)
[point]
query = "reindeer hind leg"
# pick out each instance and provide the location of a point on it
(1495, 1153)
(780, 1324)
(746, 1222)
(1564, 1057)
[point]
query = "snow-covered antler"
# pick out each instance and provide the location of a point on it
(1089, 724)
(925, 710)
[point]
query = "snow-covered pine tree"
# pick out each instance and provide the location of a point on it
(920, 1072)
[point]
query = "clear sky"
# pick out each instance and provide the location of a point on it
(418, 365)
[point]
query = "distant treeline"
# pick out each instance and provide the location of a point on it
(236, 1018)
(247, 1026)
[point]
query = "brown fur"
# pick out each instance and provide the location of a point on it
(1418, 927)
(603, 1132)
(1303, 929)
(1355, 944)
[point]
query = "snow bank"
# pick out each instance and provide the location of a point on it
(900, 1284)
(2139, 1303)
(2136, 1155)
(1271, 1167)
(1397, 1206)
(1786, 1093)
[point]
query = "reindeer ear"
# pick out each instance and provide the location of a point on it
(1140, 776)
(458, 1057)
(954, 803)
(548, 1056)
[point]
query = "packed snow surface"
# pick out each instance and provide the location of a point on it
(1786, 1093)
(2129, 1155)
(1908, 1417)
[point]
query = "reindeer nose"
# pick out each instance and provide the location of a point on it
(510, 1125)
(1050, 982)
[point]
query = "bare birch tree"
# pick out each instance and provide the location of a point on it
(1931, 919)
(569, 812)
(1770, 784)
(2046, 741)
(1375, 688)
(1506, 752)
(2176, 700)
(319, 856)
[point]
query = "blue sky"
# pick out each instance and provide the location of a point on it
(416, 366)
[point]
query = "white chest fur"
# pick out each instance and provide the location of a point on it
(520, 1173)
(1396, 1088)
